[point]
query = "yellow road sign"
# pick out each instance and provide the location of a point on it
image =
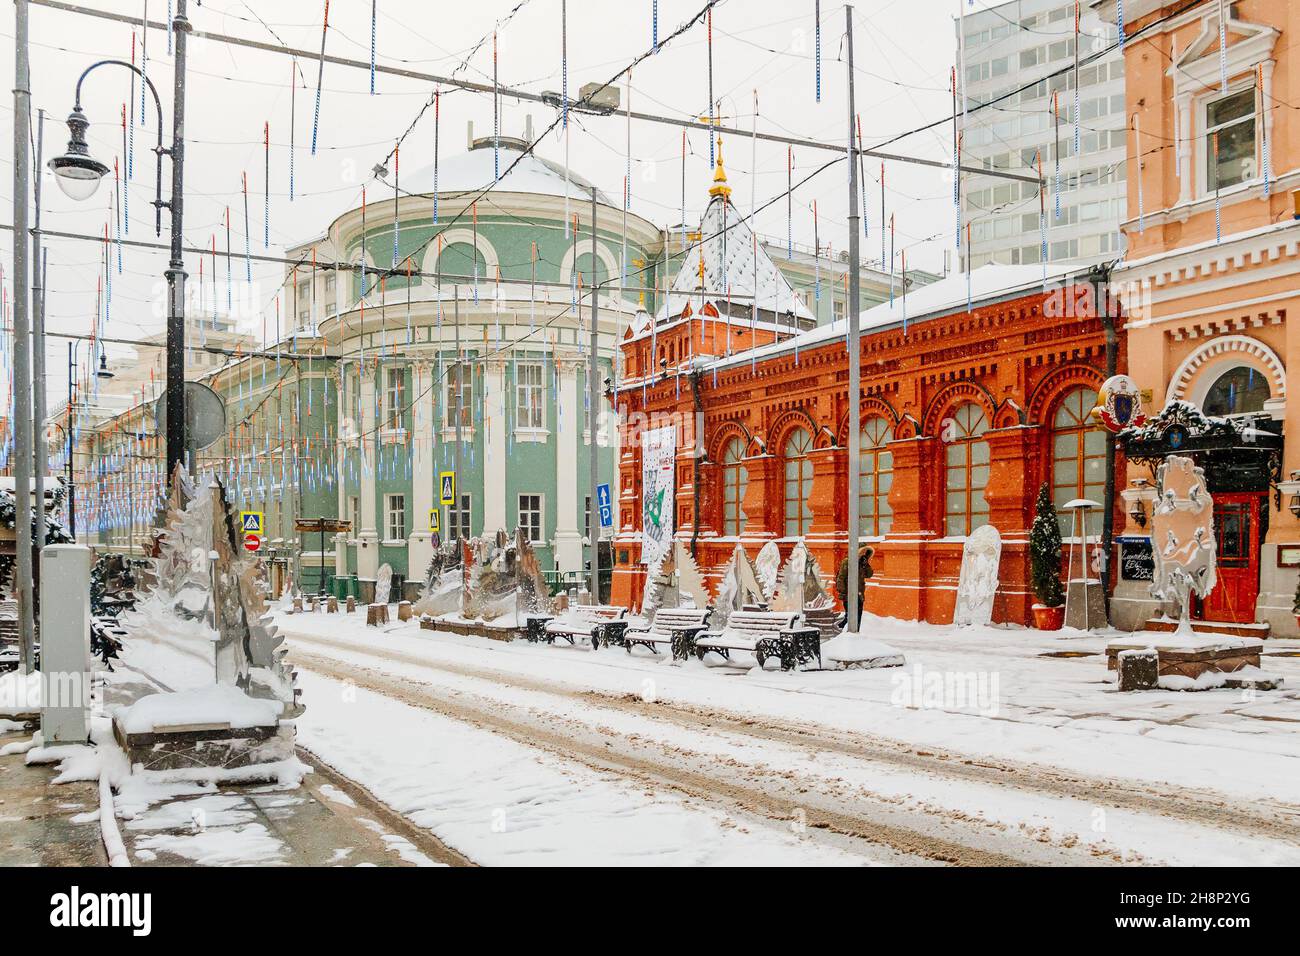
(433, 520)
(251, 522)
(448, 481)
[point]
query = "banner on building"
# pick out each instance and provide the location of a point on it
(658, 474)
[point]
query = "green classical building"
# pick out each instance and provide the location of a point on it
(452, 338)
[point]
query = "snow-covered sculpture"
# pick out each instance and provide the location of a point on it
(1182, 536)
(978, 581)
(207, 616)
(739, 588)
(384, 583)
(674, 580)
(801, 583)
(532, 595)
(442, 582)
(768, 567)
(491, 591)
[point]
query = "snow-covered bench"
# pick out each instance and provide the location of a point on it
(675, 627)
(764, 634)
(598, 623)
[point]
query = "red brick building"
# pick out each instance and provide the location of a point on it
(964, 413)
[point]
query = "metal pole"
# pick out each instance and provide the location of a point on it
(22, 381)
(176, 266)
(593, 410)
(72, 486)
(40, 447)
(855, 370)
(460, 371)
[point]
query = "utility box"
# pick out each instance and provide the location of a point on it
(65, 643)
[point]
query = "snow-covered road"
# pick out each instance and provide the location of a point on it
(527, 754)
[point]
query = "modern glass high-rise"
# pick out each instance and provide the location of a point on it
(1024, 51)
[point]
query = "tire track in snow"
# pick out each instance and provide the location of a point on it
(1206, 808)
(774, 794)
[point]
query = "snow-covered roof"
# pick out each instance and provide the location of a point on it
(730, 263)
(940, 298)
(475, 170)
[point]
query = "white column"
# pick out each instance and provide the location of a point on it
(1186, 135)
(368, 536)
(495, 514)
(568, 536)
(340, 540)
(419, 550)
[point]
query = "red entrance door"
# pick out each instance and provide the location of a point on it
(1236, 532)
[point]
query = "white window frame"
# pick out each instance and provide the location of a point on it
(465, 374)
(1203, 104)
(448, 522)
(394, 399)
(525, 392)
(389, 513)
(536, 532)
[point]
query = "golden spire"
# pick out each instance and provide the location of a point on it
(720, 187)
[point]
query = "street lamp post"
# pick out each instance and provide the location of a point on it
(68, 432)
(78, 175)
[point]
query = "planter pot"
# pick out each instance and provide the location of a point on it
(1048, 618)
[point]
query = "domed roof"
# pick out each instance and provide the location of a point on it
(474, 171)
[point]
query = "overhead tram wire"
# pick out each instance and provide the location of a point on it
(517, 94)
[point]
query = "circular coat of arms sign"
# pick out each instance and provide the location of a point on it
(1119, 404)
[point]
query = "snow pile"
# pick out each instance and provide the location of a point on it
(858, 650)
(20, 694)
(219, 704)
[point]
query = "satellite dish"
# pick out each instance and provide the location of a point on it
(205, 415)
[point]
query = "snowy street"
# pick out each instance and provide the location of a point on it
(506, 751)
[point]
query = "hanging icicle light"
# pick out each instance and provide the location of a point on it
(320, 76)
(437, 110)
(1042, 216)
(266, 184)
(1137, 163)
(817, 44)
(373, 18)
(1223, 48)
(654, 25)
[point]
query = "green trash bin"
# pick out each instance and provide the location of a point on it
(340, 587)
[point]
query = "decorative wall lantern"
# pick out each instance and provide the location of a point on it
(1138, 497)
(1291, 487)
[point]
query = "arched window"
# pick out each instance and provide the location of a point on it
(1237, 391)
(967, 462)
(462, 262)
(1078, 458)
(875, 478)
(734, 479)
(582, 265)
(798, 483)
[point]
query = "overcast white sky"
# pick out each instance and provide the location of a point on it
(904, 50)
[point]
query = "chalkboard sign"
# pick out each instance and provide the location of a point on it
(1135, 560)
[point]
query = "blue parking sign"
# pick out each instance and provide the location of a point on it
(606, 509)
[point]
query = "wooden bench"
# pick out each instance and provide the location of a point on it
(600, 624)
(764, 634)
(675, 627)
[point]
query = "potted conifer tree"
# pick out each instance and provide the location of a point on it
(1045, 564)
(1295, 604)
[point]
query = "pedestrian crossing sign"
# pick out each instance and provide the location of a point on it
(433, 520)
(448, 481)
(251, 521)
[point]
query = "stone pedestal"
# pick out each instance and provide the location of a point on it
(1138, 669)
(352, 604)
(1085, 605)
(404, 611)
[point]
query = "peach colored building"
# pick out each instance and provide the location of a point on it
(1211, 282)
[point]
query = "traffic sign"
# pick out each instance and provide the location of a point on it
(606, 507)
(448, 481)
(252, 542)
(433, 520)
(251, 521)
